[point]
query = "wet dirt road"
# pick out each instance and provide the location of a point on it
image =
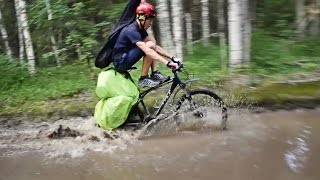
(279, 145)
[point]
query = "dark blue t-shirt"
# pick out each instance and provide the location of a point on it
(128, 38)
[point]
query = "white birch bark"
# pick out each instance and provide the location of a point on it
(222, 35)
(52, 38)
(246, 32)
(189, 32)
(20, 32)
(4, 36)
(163, 17)
(177, 15)
(22, 13)
(205, 21)
(301, 21)
(235, 39)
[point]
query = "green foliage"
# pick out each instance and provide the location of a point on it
(271, 55)
(276, 16)
(308, 46)
(12, 74)
(205, 62)
(48, 83)
(80, 27)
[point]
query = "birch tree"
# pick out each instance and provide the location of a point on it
(4, 36)
(246, 26)
(52, 38)
(177, 15)
(166, 39)
(222, 35)
(300, 17)
(314, 14)
(22, 15)
(20, 32)
(205, 21)
(235, 35)
(189, 32)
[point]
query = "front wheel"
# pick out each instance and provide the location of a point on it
(204, 104)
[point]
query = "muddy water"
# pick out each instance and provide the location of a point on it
(272, 145)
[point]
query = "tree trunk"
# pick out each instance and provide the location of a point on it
(189, 32)
(235, 38)
(20, 32)
(246, 32)
(22, 13)
(222, 35)
(301, 22)
(4, 36)
(315, 18)
(176, 7)
(163, 18)
(52, 38)
(205, 21)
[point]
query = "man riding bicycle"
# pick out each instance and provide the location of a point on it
(134, 43)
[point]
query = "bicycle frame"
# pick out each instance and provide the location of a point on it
(175, 82)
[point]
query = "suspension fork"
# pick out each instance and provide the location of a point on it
(189, 98)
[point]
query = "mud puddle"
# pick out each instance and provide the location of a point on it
(270, 145)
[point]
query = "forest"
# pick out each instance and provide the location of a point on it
(48, 48)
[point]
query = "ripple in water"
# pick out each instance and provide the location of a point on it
(297, 156)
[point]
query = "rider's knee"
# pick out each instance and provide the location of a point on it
(150, 38)
(147, 58)
(151, 44)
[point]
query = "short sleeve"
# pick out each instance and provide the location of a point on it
(144, 34)
(134, 37)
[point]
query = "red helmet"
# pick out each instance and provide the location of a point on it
(146, 9)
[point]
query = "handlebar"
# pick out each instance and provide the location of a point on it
(179, 69)
(175, 68)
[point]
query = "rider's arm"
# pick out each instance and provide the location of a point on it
(163, 52)
(150, 52)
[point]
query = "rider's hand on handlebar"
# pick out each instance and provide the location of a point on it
(175, 66)
(172, 65)
(175, 59)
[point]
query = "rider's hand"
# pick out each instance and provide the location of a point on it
(175, 59)
(173, 65)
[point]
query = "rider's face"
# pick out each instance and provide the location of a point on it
(148, 23)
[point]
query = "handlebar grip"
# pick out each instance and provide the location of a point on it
(180, 66)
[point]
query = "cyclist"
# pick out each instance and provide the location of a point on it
(134, 43)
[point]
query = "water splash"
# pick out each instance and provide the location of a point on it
(32, 137)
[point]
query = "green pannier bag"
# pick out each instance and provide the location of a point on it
(112, 112)
(111, 84)
(118, 94)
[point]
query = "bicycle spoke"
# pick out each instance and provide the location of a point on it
(203, 104)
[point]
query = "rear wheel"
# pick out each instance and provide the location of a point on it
(204, 104)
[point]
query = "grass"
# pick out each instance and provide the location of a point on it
(54, 90)
(48, 84)
(273, 56)
(204, 63)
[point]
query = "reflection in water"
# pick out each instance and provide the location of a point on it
(296, 157)
(282, 145)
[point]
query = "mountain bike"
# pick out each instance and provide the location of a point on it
(185, 99)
